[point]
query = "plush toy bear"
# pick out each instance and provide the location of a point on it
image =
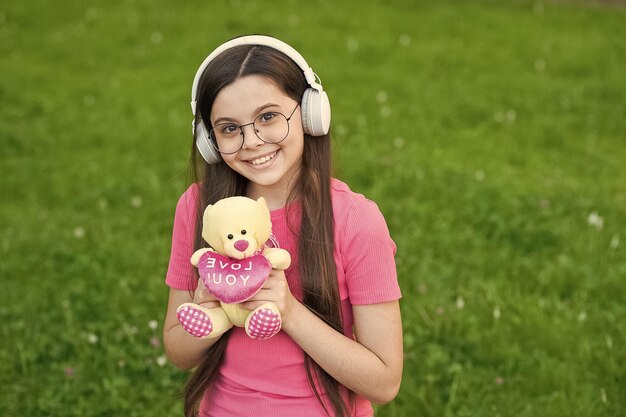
(234, 269)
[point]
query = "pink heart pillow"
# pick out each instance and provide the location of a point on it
(233, 280)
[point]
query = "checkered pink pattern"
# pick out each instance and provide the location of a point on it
(194, 321)
(264, 324)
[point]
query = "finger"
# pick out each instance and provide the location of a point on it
(202, 294)
(200, 288)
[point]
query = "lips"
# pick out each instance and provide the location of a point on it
(262, 159)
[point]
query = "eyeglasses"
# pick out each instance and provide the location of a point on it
(270, 127)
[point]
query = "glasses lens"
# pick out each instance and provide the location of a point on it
(227, 137)
(271, 127)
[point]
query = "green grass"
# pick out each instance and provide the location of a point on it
(488, 132)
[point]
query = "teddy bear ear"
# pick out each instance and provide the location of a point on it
(262, 202)
(264, 228)
(207, 212)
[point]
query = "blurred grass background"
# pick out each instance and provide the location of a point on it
(491, 134)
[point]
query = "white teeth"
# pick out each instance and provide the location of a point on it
(263, 159)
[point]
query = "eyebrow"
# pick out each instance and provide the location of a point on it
(257, 110)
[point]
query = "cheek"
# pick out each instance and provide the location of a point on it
(296, 144)
(229, 159)
(232, 162)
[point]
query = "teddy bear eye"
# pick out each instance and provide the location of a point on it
(243, 232)
(230, 237)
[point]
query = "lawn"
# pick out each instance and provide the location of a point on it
(492, 134)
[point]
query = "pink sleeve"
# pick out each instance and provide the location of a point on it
(180, 272)
(369, 251)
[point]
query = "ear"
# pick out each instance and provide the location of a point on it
(207, 214)
(263, 221)
(261, 202)
(207, 229)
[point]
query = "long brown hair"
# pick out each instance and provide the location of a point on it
(311, 186)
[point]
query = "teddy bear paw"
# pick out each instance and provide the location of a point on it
(194, 320)
(263, 324)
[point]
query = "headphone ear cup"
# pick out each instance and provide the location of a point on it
(315, 112)
(203, 143)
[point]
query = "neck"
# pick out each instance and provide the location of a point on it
(274, 197)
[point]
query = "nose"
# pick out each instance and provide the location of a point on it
(241, 245)
(250, 138)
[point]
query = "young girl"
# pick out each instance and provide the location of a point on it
(261, 129)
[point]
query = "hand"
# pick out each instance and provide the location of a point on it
(275, 290)
(203, 297)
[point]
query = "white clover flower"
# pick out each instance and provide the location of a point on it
(614, 242)
(460, 303)
(496, 313)
(381, 96)
(595, 220)
(511, 115)
(404, 39)
(161, 360)
(79, 232)
(136, 201)
(92, 338)
(479, 175)
(153, 324)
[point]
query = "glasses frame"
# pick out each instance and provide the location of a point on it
(213, 139)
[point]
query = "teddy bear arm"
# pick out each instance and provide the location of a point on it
(279, 258)
(195, 258)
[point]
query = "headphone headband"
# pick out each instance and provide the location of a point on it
(262, 40)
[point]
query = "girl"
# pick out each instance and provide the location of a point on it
(261, 129)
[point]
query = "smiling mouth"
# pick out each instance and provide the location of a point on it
(263, 159)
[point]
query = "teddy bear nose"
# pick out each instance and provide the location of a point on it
(241, 245)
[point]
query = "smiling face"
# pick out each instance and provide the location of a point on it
(270, 167)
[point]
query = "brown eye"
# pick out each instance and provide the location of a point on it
(243, 232)
(230, 237)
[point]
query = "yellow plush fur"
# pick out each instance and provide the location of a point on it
(228, 221)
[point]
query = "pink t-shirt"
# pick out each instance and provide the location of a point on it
(268, 377)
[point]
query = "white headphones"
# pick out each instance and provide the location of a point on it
(315, 105)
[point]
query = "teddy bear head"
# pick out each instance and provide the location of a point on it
(237, 227)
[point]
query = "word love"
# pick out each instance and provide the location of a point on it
(232, 280)
(229, 279)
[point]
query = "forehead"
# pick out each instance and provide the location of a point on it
(246, 94)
